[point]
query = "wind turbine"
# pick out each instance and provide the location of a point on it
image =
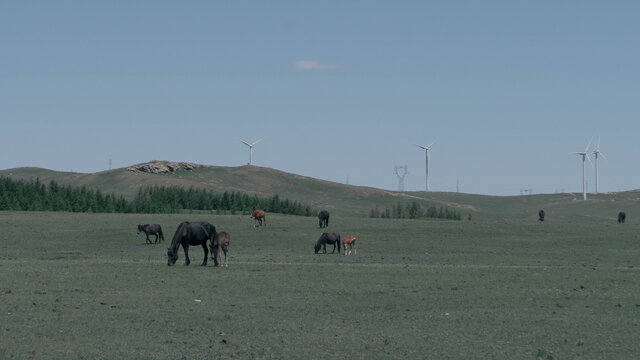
(426, 149)
(250, 148)
(585, 156)
(598, 153)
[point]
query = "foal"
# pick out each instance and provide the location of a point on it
(220, 242)
(351, 241)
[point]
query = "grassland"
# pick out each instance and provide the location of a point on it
(85, 286)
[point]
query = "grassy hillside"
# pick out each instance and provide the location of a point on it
(348, 200)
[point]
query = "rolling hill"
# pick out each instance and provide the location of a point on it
(339, 199)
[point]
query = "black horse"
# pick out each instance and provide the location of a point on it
(323, 218)
(621, 217)
(328, 238)
(151, 229)
(541, 215)
(191, 233)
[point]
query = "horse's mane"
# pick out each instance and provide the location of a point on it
(177, 237)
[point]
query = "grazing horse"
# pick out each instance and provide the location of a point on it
(258, 215)
(220, 242)
(323, 218)
(191, 233)
(328, 238)
(621, 217)
(151, 229)
(541, 215)
(351, 242)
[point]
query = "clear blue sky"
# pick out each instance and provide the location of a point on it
(339, 89)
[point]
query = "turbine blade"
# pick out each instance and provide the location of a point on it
(587, 156)
(420, 146)
(589, 144)
(601, 154)
(255, 142)
(244, 142)
(430, 145)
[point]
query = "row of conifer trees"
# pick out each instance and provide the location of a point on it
(33, 195)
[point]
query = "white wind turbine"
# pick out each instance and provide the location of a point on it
(585, 156)
(251, 148)
(426, 149)
(597, 153)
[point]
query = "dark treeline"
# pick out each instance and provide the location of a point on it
(413, 210)
(173, 199)
(33, 195)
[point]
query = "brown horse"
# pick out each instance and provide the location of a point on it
(151, 229)
(258, 215)
(351, 242)
(220, 242)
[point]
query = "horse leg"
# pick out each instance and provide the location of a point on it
(225, 248)
(148, 240)
(186, 254)
(215, 251)
(355, 252)
(206, 253)
(156, 238)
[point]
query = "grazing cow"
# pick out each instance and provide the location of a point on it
(621, 217)
(349, 241)
(323, 218)
(541, 215)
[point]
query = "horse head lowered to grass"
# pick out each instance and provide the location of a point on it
(191, 233)
(220, 243)
(327, 238)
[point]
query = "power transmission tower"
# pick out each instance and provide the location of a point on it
(401, 172)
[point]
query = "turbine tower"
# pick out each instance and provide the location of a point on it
(585, 156)
(426, 149)
(597, 153)
(251, 149)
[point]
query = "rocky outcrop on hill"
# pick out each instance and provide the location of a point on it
(162, 167)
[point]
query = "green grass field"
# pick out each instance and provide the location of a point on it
(85, 286)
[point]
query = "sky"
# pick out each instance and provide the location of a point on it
(336, 90)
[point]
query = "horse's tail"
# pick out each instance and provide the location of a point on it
(160, 233)
(339, 243)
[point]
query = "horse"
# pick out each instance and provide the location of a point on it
(258, 215)
(323, 218)
(191, 233)
(151, 229)
(621, 217)
(220, 242)
(541, 215)
(328, 238)
(351, 242)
